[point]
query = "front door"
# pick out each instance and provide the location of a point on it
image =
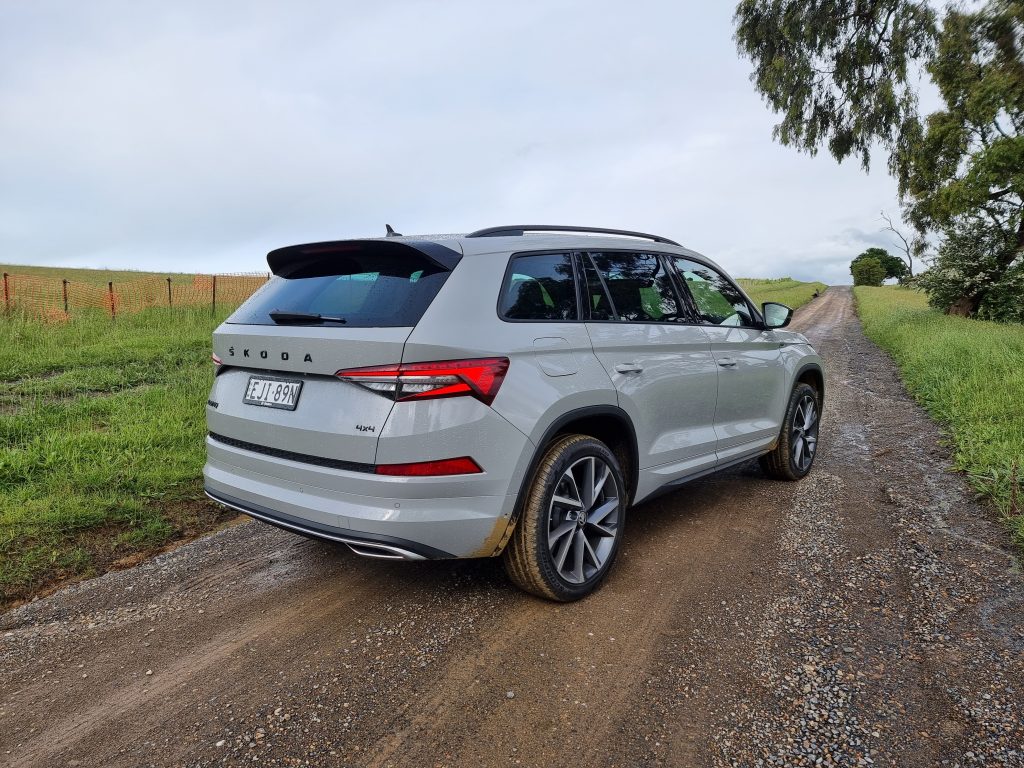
(751, 383)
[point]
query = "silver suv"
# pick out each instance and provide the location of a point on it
(510, 392)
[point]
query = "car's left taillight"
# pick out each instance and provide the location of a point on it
(478, 377)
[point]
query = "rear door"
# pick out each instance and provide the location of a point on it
(660, 363)
(751, 395)
(374, 294)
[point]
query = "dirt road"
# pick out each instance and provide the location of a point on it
(872, 612)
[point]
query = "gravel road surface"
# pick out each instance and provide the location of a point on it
(868, 615)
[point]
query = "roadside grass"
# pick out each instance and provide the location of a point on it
(969, 374)
(101, 442)
(784, 290)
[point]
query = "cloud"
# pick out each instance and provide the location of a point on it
(199, 136)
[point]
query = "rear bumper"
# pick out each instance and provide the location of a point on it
(383, 547)
(396, 518)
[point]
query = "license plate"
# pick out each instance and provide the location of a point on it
(272, 393)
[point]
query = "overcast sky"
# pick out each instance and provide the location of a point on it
(197, 136)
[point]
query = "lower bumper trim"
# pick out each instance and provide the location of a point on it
(364, 544)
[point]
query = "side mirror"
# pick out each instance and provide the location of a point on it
(776, 315)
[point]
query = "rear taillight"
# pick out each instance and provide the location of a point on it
(480, 378)
(218, 364)
(461, 466)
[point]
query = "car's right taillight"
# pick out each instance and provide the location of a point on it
(478, 377)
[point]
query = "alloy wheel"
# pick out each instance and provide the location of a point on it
(583, 519)
(804, 433)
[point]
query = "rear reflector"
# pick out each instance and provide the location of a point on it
(461, 466)
(480, 378)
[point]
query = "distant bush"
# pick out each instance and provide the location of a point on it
(867, 270)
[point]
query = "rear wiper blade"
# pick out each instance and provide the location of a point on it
(300, 318)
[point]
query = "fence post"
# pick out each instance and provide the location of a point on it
(213, 305)
(168, 291)
(7, 295)
(65, 281)
(110, 288)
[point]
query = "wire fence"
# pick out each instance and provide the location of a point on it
(52, 299)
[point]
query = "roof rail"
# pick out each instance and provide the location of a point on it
(517, 230)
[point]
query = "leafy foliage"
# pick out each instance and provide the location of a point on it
(968, 161)
(867, 270)
(969, 268)
(894, 266)
(838, 71)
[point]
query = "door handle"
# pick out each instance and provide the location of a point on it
(629, 368)
(727, 362)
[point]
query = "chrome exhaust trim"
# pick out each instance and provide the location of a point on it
(359, 547)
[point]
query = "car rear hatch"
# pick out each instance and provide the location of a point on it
(329, 307)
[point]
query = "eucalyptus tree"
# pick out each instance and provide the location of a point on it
(843, 74)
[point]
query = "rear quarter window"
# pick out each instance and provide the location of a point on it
(539, 287)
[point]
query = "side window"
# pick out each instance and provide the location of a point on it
(539, 287)
(640, 289)
(596, 299)
(717, 300)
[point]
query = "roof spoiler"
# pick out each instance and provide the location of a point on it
(285, 261)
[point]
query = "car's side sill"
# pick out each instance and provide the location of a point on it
(674, 485)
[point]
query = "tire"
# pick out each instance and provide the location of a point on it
(568, 535)
(794, 454)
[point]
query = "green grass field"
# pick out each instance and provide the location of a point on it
(101, 442)
(969, 374)
(101, 435)
(92, 276)
(784, 290)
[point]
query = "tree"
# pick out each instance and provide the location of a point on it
(969, 268)
(840, 73)
(912, 249)
(964, 172)
(867, 270)
(894, 266)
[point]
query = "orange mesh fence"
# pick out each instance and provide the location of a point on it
(55, 299)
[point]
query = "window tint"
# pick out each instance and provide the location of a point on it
(370, 290)
(641, 291)
(539, 287)
(597, 296)
(718, 301)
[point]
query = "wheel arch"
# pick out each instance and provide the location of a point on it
(812, 374)
(607, 423)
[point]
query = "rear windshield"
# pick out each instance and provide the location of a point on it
(368, 290)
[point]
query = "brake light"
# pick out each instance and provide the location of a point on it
(461, 466)
(216, 360)
(480, 378)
